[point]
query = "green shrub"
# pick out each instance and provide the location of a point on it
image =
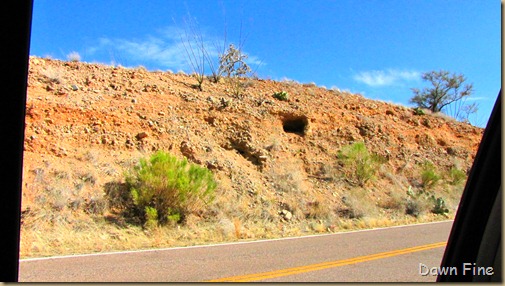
(282, 95)
(439, 206)
(456, 176)
(173, 217)
(422, 200)
(362, 164)
(164, 189)
(419, 111)
(429, 176)
(151, 217)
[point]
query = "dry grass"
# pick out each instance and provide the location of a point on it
(318, 208)
(53, 75)
(237, 225)
(395, 201)
(359, 204)
(62, 213)
(94, 236)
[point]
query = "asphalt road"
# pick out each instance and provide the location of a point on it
(388, 254)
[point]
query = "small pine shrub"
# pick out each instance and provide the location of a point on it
(151, 217)
(173, 217)
(362, 165)
(283, 96)
(165, 189)
(429, 176)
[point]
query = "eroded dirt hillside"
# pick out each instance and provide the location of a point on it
(275, 161)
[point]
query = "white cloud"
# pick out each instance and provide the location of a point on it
(478, 98)
(388, 77)
(165, 50)
(166, 54)
(162, 51)
(254, 62)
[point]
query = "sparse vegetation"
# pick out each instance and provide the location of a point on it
(232, 64)
(288, 82)
(195, 49)
(74, 57)
(52, 75)
(281, 95)
(199, 53)
(318, 209)
(358, 204)
(414, 207)
(429, 175)
(456, 176)
(422, 200)
(417, 202)
(419, 111)
(395, 202)
(361, 165)
(310, 84)
(439, 206)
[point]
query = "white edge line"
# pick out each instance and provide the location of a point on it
(227, 243)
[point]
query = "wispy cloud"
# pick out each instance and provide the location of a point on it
(477, 98)
(164, 50)
(377, 78)
(254, 62)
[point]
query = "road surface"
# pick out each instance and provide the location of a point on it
(381, 255)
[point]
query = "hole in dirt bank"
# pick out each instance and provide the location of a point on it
(295, 124)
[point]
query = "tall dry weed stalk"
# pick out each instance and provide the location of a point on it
(238, 228)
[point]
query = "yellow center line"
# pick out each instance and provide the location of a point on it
(325, 265)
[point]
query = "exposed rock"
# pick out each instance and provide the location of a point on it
(142, 135)
(425, 140)
(286, 215)
(189, 151)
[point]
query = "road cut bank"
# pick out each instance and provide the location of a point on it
(466, 269)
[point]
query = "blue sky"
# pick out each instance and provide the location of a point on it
(376, 48)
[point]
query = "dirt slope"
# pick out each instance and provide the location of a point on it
(87, 123)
